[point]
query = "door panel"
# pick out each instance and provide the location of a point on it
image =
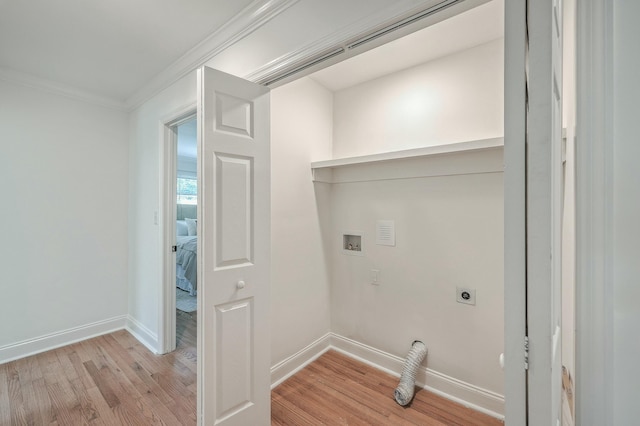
(234, 348)
(234, 200)
(234, 250)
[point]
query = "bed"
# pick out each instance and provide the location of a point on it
(186, 258)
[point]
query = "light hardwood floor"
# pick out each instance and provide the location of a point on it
(109, 380)
(114, 380)
(338, 390)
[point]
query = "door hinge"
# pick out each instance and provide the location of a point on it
(174, 248)
(526, 352)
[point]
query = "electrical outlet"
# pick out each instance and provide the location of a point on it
(466, 295)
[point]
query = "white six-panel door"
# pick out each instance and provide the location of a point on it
(234, 250)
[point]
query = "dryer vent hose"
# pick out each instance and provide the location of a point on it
(404, 391)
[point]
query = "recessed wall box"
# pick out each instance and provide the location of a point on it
(352, 243)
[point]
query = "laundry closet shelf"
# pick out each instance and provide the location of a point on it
(472, 157)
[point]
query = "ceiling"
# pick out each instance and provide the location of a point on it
(464, 31)
(112, 49)
(107, 48)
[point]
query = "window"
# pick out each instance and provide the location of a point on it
(187, 191)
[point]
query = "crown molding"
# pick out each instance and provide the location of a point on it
(244, 23)
(28, 80)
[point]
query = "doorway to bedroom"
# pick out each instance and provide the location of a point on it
(186, 197)
(179, 218)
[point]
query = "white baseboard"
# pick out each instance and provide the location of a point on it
(456, 390)
(296, 362)
(145, 336)
(61, 338)
(471, 396)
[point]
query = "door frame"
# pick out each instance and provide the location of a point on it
(594, 218)
(515, 213)
(167, 222)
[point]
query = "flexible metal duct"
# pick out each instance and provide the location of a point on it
(404, 391)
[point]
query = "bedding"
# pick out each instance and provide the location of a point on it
(186, 259)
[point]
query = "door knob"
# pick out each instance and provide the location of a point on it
(240, 285)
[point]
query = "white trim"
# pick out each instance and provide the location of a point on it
(515, 240)
(469, 395)
(58, 339)
(594, 219)
(167, 225)
(244, 23)
(60, 89)
(296, 362)
(145, 336)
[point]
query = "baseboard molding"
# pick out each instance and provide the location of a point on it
(145, 336)
(58, 339)
(471, 396)
(296, 362)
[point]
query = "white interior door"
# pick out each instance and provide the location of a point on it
(233, 250)
(544, 211)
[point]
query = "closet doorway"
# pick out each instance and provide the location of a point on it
(385, 116)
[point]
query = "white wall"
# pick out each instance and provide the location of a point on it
(449, 232)
(301, 126)
(145, 146)
(449, 229)
(424, 105)
(64, 216)
(626, 212)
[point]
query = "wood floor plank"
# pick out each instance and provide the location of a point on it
(45, 412)
(63, 405)
(18, 413)
(107, 392)
(25, 370)
(103, 411)
(5, 404)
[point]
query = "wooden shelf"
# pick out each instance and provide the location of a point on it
(479, 156)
